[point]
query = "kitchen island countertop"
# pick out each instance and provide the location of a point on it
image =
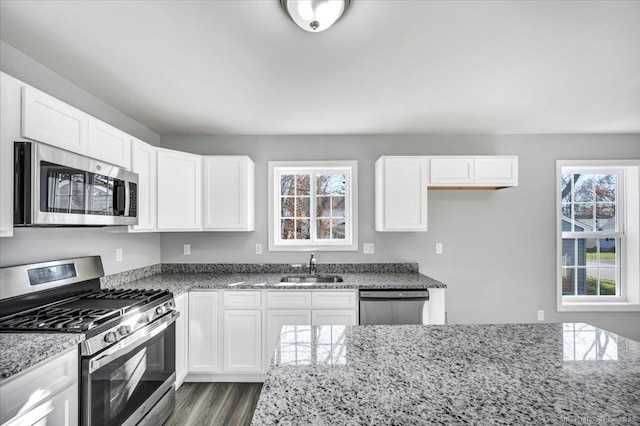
(570, 373)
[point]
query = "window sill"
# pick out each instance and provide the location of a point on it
(598, 307)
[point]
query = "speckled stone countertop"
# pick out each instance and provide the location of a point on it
(19, 351)
(542, 374)
(179, 278)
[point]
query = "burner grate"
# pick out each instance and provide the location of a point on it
(58, 319)
(121, 293)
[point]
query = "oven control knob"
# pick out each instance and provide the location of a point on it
(144, 318)
(168, 306)
(123, 330)
(110, 337)
(160, 310)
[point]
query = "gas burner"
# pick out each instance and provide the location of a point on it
(58, 319)
(128, 294)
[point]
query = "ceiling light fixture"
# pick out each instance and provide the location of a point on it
(315, 15)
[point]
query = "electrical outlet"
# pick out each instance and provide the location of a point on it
(258, 248)
(119, 255)
(541, 315)
(368, 248)
(439, 248)
(186, 249)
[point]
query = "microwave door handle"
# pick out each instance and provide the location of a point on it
(127, 196)
(119, 198)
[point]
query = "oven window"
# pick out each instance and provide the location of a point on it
(116, 390)
(65, 189)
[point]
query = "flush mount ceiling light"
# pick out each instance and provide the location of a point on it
(315, 15)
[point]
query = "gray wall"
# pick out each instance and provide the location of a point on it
(499, 246)
(32, 245)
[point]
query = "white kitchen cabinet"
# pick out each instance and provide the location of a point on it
(327, 299)
(46, 393)
(242, 340)
(436, 306)
(10, 98)
(203, 331)
(334, 317)
(276, 319)
(401, 194)
(477, 172)
(108, 144)
(46, 119)
(144, 163)
(179, 191)
(288, 299)
(182, 338)
(229, 193)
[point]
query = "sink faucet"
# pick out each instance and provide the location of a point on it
(313, 267)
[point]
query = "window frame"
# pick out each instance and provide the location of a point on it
(350, 169)
(626, 235)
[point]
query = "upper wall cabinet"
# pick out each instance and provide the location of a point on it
(229, 193)
(46, 119)
(109, 144)
(401, 193)
(179, 191)
(461, 172)
(144, 163)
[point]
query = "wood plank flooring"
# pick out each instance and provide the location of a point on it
(215, 404)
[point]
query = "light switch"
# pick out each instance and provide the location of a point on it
(540, 315)
(186, 249)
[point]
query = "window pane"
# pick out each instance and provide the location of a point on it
(302, 207)
(287, 183)
(605, 187)
(337, 204)
(606, 217)
(608, 282)
(323, 185)
(583, 188)
(324, 207)
(302, 229)
(583, 218)
(568, 252)
(337, 229)
(338, 185)
(587, 254)
(608, 250)
(287, 226)
(323, 229)
(568, 282)
(565, 182)
(592, 282)
(303, 184)
(287, 206)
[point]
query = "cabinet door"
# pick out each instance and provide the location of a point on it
(496, 171)
(179, 190)
(61, 409)
(451, 171)
(182, 339)
(109, 144)
(437, 312)
(242, 340)
(229, 194)
(48, 120)
(203, 332)
(10, 95)
(334, 317)
(276, 319)
(143, 162)
(401, 194)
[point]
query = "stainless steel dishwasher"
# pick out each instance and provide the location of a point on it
(388, 307)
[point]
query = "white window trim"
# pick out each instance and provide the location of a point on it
(351, 205)
(629, 300)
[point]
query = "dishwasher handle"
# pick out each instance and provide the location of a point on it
(416, 295)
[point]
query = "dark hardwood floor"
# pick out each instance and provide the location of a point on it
(215, 404)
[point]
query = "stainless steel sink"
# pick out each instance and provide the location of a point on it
(309, 279)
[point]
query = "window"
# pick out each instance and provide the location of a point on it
(312, 205)
(598, 230)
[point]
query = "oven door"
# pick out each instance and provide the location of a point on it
(133, 379)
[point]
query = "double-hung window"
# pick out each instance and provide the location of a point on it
(313, 205)
(598, 228)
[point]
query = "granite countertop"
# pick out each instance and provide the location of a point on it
(572, 374)
(20, 351)
(180, 278)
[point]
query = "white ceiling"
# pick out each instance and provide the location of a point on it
(388, 67)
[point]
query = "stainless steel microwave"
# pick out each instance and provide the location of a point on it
(54, 187)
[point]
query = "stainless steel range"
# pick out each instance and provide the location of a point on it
(128, 355)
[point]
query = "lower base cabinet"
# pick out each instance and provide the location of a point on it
(203, 332)
(182, 338)
(242, 341)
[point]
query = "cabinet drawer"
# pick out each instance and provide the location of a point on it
(288, 299)
(242, 298)
(334, 300)
(38, 384)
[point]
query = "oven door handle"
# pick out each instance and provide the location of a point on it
(140, 336)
